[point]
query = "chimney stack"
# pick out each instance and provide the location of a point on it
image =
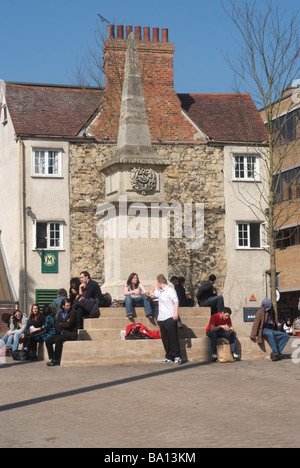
(156, 56)
(138, 33)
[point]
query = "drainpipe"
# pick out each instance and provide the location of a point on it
(23, 270)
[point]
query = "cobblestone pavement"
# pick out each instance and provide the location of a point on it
(245, 404)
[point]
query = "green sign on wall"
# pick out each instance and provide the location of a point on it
(50, 262)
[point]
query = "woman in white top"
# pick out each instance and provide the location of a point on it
(18, 325)
(135, 296)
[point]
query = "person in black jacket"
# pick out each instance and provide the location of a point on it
(66, 330)
(184, 301)
(89, 303)
(207, 296)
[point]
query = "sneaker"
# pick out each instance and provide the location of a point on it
(177, 361)
(235, 356)
(214, 357)
(166, 361)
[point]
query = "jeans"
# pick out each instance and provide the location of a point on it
(231, 337)
(275, 336)
(12, 340)
(216, 303)
(141, 301)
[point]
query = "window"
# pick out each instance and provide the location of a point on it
(49, 236)
(246, 167)
(287, 185)
(249, 236)
(47, 163)
(288, 237)
(287, 127)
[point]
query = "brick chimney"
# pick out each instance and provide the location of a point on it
(156, 54)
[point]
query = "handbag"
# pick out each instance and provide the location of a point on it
(224, 353)
(21, 355)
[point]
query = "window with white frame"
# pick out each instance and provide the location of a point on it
(246, 167)
(49, 236)
(47, 163)
(249, 235)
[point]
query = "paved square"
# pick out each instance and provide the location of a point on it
(245, 404)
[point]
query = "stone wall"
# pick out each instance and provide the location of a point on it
(87, 191)
(194, 176)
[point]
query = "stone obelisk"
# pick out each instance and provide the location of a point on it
(134, 189)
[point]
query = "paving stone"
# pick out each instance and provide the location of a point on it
(244, 404)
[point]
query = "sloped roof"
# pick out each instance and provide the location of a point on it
(225, 117)
(50, 110)
(63, 111)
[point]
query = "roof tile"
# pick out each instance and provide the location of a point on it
(225, 117)
(47, 110)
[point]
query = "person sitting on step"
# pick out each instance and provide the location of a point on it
(135, 296)
(220, 326)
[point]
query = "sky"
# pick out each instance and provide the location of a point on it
(42, 42)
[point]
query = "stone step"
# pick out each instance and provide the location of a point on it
(121, 323)
(111, 312)
(112, 352)
(117, 333)
(96, 353)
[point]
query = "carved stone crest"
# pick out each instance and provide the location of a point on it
(143, 180)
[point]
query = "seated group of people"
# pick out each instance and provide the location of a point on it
(137, 296)
(47, 327)
(60, 321)
(220, 326)
(265, 326)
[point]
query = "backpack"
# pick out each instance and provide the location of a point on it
(138, 331)
(106, 300)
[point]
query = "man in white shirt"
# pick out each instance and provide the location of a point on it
(168, 319)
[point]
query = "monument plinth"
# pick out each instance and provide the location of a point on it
(134, 188)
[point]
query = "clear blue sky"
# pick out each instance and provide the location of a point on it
(43, 40)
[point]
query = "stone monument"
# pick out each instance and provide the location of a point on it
(132, 225)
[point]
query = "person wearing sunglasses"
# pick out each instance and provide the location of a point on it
(17, 327)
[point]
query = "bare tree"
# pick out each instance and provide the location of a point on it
(267, 63)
